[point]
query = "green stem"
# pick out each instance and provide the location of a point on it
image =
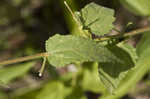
(26, 58)
(74, 17)
(43, 67)
(128, 34)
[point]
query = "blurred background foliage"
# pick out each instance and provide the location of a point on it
(25, 25)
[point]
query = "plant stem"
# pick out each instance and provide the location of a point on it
(74, 17)
(43, 67)
(26, 58)
(138, 31)
(128, 34)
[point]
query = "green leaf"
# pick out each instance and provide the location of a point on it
(97, 19)
(54, 90)
(134, 75)
(139, 7)
(9, 73)
(130, 49)
(69, 49)
(111, 73)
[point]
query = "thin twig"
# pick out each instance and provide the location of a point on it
(138, 31)
(128, 34)
(22, 59)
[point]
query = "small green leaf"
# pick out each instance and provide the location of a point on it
(111, 73)
(139, 7)
(9, 73)
(69, 49)
(97, 19)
